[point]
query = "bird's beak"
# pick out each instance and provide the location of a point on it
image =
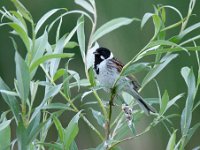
(95, 53)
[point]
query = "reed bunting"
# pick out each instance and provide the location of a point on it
(107, 69)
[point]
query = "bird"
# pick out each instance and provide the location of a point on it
(107, 70)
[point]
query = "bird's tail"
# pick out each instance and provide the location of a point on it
(143, 105)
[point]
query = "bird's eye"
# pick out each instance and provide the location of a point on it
(102, 57)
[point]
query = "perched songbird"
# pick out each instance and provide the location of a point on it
(107, 69)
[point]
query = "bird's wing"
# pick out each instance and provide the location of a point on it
(119, 66)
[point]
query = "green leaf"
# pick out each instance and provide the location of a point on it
(23, 77)
(91, 77)
(135, 68)
(99, 117)
(71, 45)
(10, 100)
(35, 131)
(5, 135)
(71, 131)
(8, 92)
(85, 5)
(48, 57)
(110, 26)
(44, 18)
(59, 106)
(191, 132)
(81, 37)
(4, 124)
(22, 136)
(73, 146)
(25, 13)
(174, 100)
(172, 141)
(59, 128)
(164, 102)
(23, 35)
(158, 68)
(189, 30)
(186, 115)
(145, 18)
(157, 25)
(76, 76)
(59, 74)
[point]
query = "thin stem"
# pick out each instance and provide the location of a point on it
(113, 93)
(129, 138)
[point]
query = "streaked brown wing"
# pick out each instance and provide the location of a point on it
(119, 66)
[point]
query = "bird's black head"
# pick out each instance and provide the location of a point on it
(101, 54)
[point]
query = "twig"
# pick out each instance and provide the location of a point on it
(113, 93)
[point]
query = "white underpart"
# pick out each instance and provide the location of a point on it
(108, 75)
(90, 56)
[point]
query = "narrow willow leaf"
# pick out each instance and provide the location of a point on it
(71, 44)
(164, 102)
(81, 37)
(22, 136)
(99, 117)
(145, 18)
(166, 50)
(175, 9)
(20, 20)
(59, 74)
(157, 25)
(85, 5)
(5, 135)
(191, 132)
(68, 13)
(91, 77)
(189, 30)
(58, 30)
(23, 77)
(172, 141)
(158, 68)
(174, 100)
(40, 46)
(135, 68)
(10, 100)
(162, 42)
(71, 131)
(110, 26)
(4, 124)
(59, 128)
(44, 18)
(26, 14)
(73, 146)
(186, 115)
(9, 92)
(85, 94)
(23, 35)
(59, 106)
(66, 79)
(48, 57)
(76, 76)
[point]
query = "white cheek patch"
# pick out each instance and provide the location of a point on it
(102, 57)
(111, 56)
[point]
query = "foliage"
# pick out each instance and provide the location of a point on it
(33, 123)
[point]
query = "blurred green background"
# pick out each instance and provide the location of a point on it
(125, 43)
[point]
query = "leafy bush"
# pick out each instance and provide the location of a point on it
(33, 123)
